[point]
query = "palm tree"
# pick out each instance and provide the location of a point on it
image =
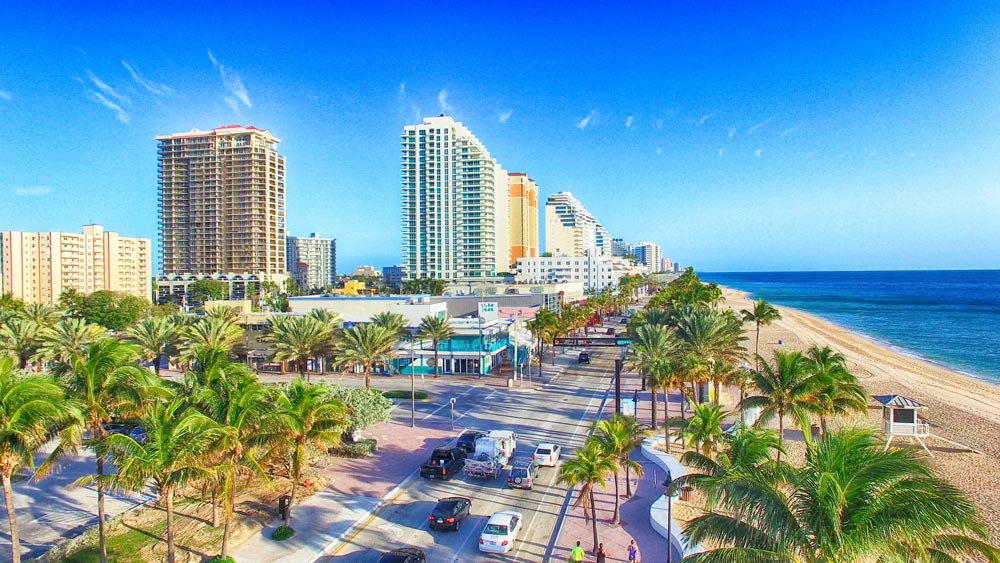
(704, 428)
(652, 347)
(837, 390)
(850, 501)
(435, 329)
(156, 337)
(394, 323)
(762, 314)
(588, 469)
(367, 344)
(748, 449)
(706, 336)
(307, 417)
(106, 383)
(21, 338)
(41, 314)
(32, 408)
(211, 332)
(618, 436)
(300, 339)
(67, 339)
(169, 458)
(785, 388)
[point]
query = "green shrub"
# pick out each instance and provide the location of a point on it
(400, 394)
(282, 533)
(364, 448)
(221, 559)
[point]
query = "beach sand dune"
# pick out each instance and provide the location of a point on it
(959, 408)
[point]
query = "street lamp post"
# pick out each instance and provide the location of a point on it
(453, 413)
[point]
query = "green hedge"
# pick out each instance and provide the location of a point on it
(221, 559)
(282, 533)
(364, 448)
(400, 394)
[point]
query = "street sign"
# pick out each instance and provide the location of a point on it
(596, 341)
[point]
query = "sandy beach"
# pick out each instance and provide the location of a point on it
(959, 408)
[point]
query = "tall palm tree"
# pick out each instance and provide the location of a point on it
(156, 337)
(106, 383)
(435, 329)
(704, 428)
(367, 344)
(618, 436)
(588, 469)
(652, 347)
(307, 416)
(20, 338)
(326, 317)
(747, 450)
(301, 339)
(210, 332)
(32, 408)
(394, 323)
(706, 336)
(786, 388)
(41, 314)
(67, 339)
(837, 390)
(850, 501)
(171, 456)
(762, 314)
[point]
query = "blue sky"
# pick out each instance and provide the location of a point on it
(788, 136)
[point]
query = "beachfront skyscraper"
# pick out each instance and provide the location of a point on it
(222, 202)
(648, 254)
(523, 217)
(312, 261)
(37, 267)
(455, 204)
(571, 230)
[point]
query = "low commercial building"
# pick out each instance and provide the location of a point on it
(595, 272)
(360, 309)
(176, 288)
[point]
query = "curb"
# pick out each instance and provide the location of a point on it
(658, 510)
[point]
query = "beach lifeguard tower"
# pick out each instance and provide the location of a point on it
(899, 418)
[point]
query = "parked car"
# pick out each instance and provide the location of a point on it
(522, 474)
(583, 358)
(611, 330)
(444, 463)
(449, 512)
(404, 555)
(547, 454)
(138, 434)
(500, 532)
(467, 441)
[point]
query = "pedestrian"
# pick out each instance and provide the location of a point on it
(633, 552)
(601, 553)
(576, 554)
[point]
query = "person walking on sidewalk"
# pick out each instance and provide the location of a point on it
(576, 554)
(602, 554)
(633, 552)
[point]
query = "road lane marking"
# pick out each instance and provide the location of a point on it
(448, 403)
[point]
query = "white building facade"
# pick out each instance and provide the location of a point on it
(596, 272)
(455, 203)
(312, 261)
(648, 254)
(571, 230)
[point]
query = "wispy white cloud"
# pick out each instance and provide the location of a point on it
(107, 90)
(759, 125)
(705, 118)
(32, 191)
(236, 92)
(149, 85)
(659, 150)
(732, 133)
(503, 117)
(659, 124)
(721, 150)
(5, 95)
(402, 91)
(443, 101)
(789, 131)
(585, 122)
(628, 122)
(120, 112)
(759, 153)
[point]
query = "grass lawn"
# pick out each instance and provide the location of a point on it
(400, 394)
(122, 547)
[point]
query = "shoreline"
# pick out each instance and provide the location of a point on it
(960, 407)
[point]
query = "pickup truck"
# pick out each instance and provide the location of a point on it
(444, 463)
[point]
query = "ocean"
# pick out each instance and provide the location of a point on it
(951, 318)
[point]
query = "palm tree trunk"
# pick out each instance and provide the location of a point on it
(436, 366)
(628, 482)
(652, 405)
(303, 371)
(615, 518)
(156, 366)
(593, 521)
(781, 433)
(822, 426)
(101, 528)
(215, 505)
(169, 493)
(8, 497)
(228, 493)
(296, 475)
(756, 349)
(716, 386)
(368, 375)
(666, 418)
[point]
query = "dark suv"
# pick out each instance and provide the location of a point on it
(467, 441)
(404, 555)
(449, 512)
(583, 358)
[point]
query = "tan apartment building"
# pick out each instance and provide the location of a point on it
(523, 217)
(37, 267)
(222, 202)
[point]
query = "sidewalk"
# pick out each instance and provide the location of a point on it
(634, 512)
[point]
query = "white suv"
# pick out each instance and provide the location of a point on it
(500, 532)
(547, 454)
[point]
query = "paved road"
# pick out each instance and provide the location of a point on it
(560, 412)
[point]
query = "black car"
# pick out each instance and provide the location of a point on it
(449, 512)
(583, 358)
(467, 441)
(404, 555)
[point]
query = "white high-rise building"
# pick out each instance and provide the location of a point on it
(648, 254)
(456, 203)
(312, 261)
(571, 230)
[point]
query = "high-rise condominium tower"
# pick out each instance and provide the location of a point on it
(37, 267)
(222, 202)
(456, 204)
(523, 217)
(571, 230)
(312, 261)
